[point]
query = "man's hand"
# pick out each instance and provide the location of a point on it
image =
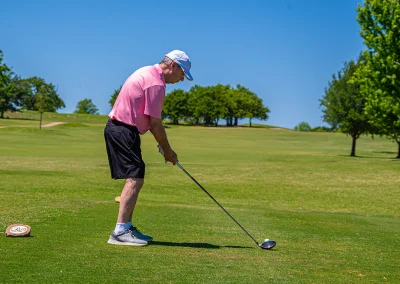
(174, 157)
(171, 156)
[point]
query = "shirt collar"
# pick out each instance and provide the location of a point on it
(160, 72)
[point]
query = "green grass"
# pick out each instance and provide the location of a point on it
(336, 219)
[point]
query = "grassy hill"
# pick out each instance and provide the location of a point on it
(34, 116)
(76, 118)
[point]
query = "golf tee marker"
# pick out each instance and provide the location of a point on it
(18, 230)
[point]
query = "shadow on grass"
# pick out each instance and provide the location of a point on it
(366, 157)
(193, 245)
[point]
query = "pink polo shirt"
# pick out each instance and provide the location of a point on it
(141, 96)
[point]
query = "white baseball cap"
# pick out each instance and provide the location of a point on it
(183, 61)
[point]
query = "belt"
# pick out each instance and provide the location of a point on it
(119, 123)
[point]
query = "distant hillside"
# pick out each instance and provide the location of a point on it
(57, 117)
(86, 118)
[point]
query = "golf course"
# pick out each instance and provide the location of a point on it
(335, 218)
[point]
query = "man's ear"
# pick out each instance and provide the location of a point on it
(173, 65)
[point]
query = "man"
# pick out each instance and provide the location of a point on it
(138, 109)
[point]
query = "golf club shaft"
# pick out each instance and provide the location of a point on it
(186, 172)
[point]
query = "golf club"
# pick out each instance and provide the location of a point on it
(267, 244)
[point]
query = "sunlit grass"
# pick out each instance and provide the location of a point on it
(335, 218)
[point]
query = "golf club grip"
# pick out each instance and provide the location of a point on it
(189, 175)
(161, 152)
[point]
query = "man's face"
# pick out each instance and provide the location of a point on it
(176, 74)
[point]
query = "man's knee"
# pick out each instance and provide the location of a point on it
(135, 183)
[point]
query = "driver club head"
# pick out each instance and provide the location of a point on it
(267, 244)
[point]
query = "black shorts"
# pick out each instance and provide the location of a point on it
(123, 150)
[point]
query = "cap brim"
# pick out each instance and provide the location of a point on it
(187, 74)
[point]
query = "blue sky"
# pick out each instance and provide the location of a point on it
(283, 50)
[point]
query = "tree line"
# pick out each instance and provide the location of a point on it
(364, 96)
(209, 105)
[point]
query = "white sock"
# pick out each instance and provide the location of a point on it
(120, 228)
(128, 225)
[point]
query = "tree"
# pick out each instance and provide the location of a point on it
(242, 95)
(86, 106)
(208, 104)
(37, 86)
(41, 106)
(10, 88)
(248, 105)
(195, 115)
(303, 126)
(255, 109)
(379, 76)
(219, 95)
(231, 104)
(236, 100)
(176, 106)
(343, 104)
(114, 96)
(205, 107)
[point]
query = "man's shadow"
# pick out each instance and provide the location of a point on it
(193, 245)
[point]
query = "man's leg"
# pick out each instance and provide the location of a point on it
(129, 196)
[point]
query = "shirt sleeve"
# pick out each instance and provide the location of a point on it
(154, 99)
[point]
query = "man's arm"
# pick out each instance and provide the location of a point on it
(158, 131)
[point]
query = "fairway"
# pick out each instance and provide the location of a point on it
(335, 218)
